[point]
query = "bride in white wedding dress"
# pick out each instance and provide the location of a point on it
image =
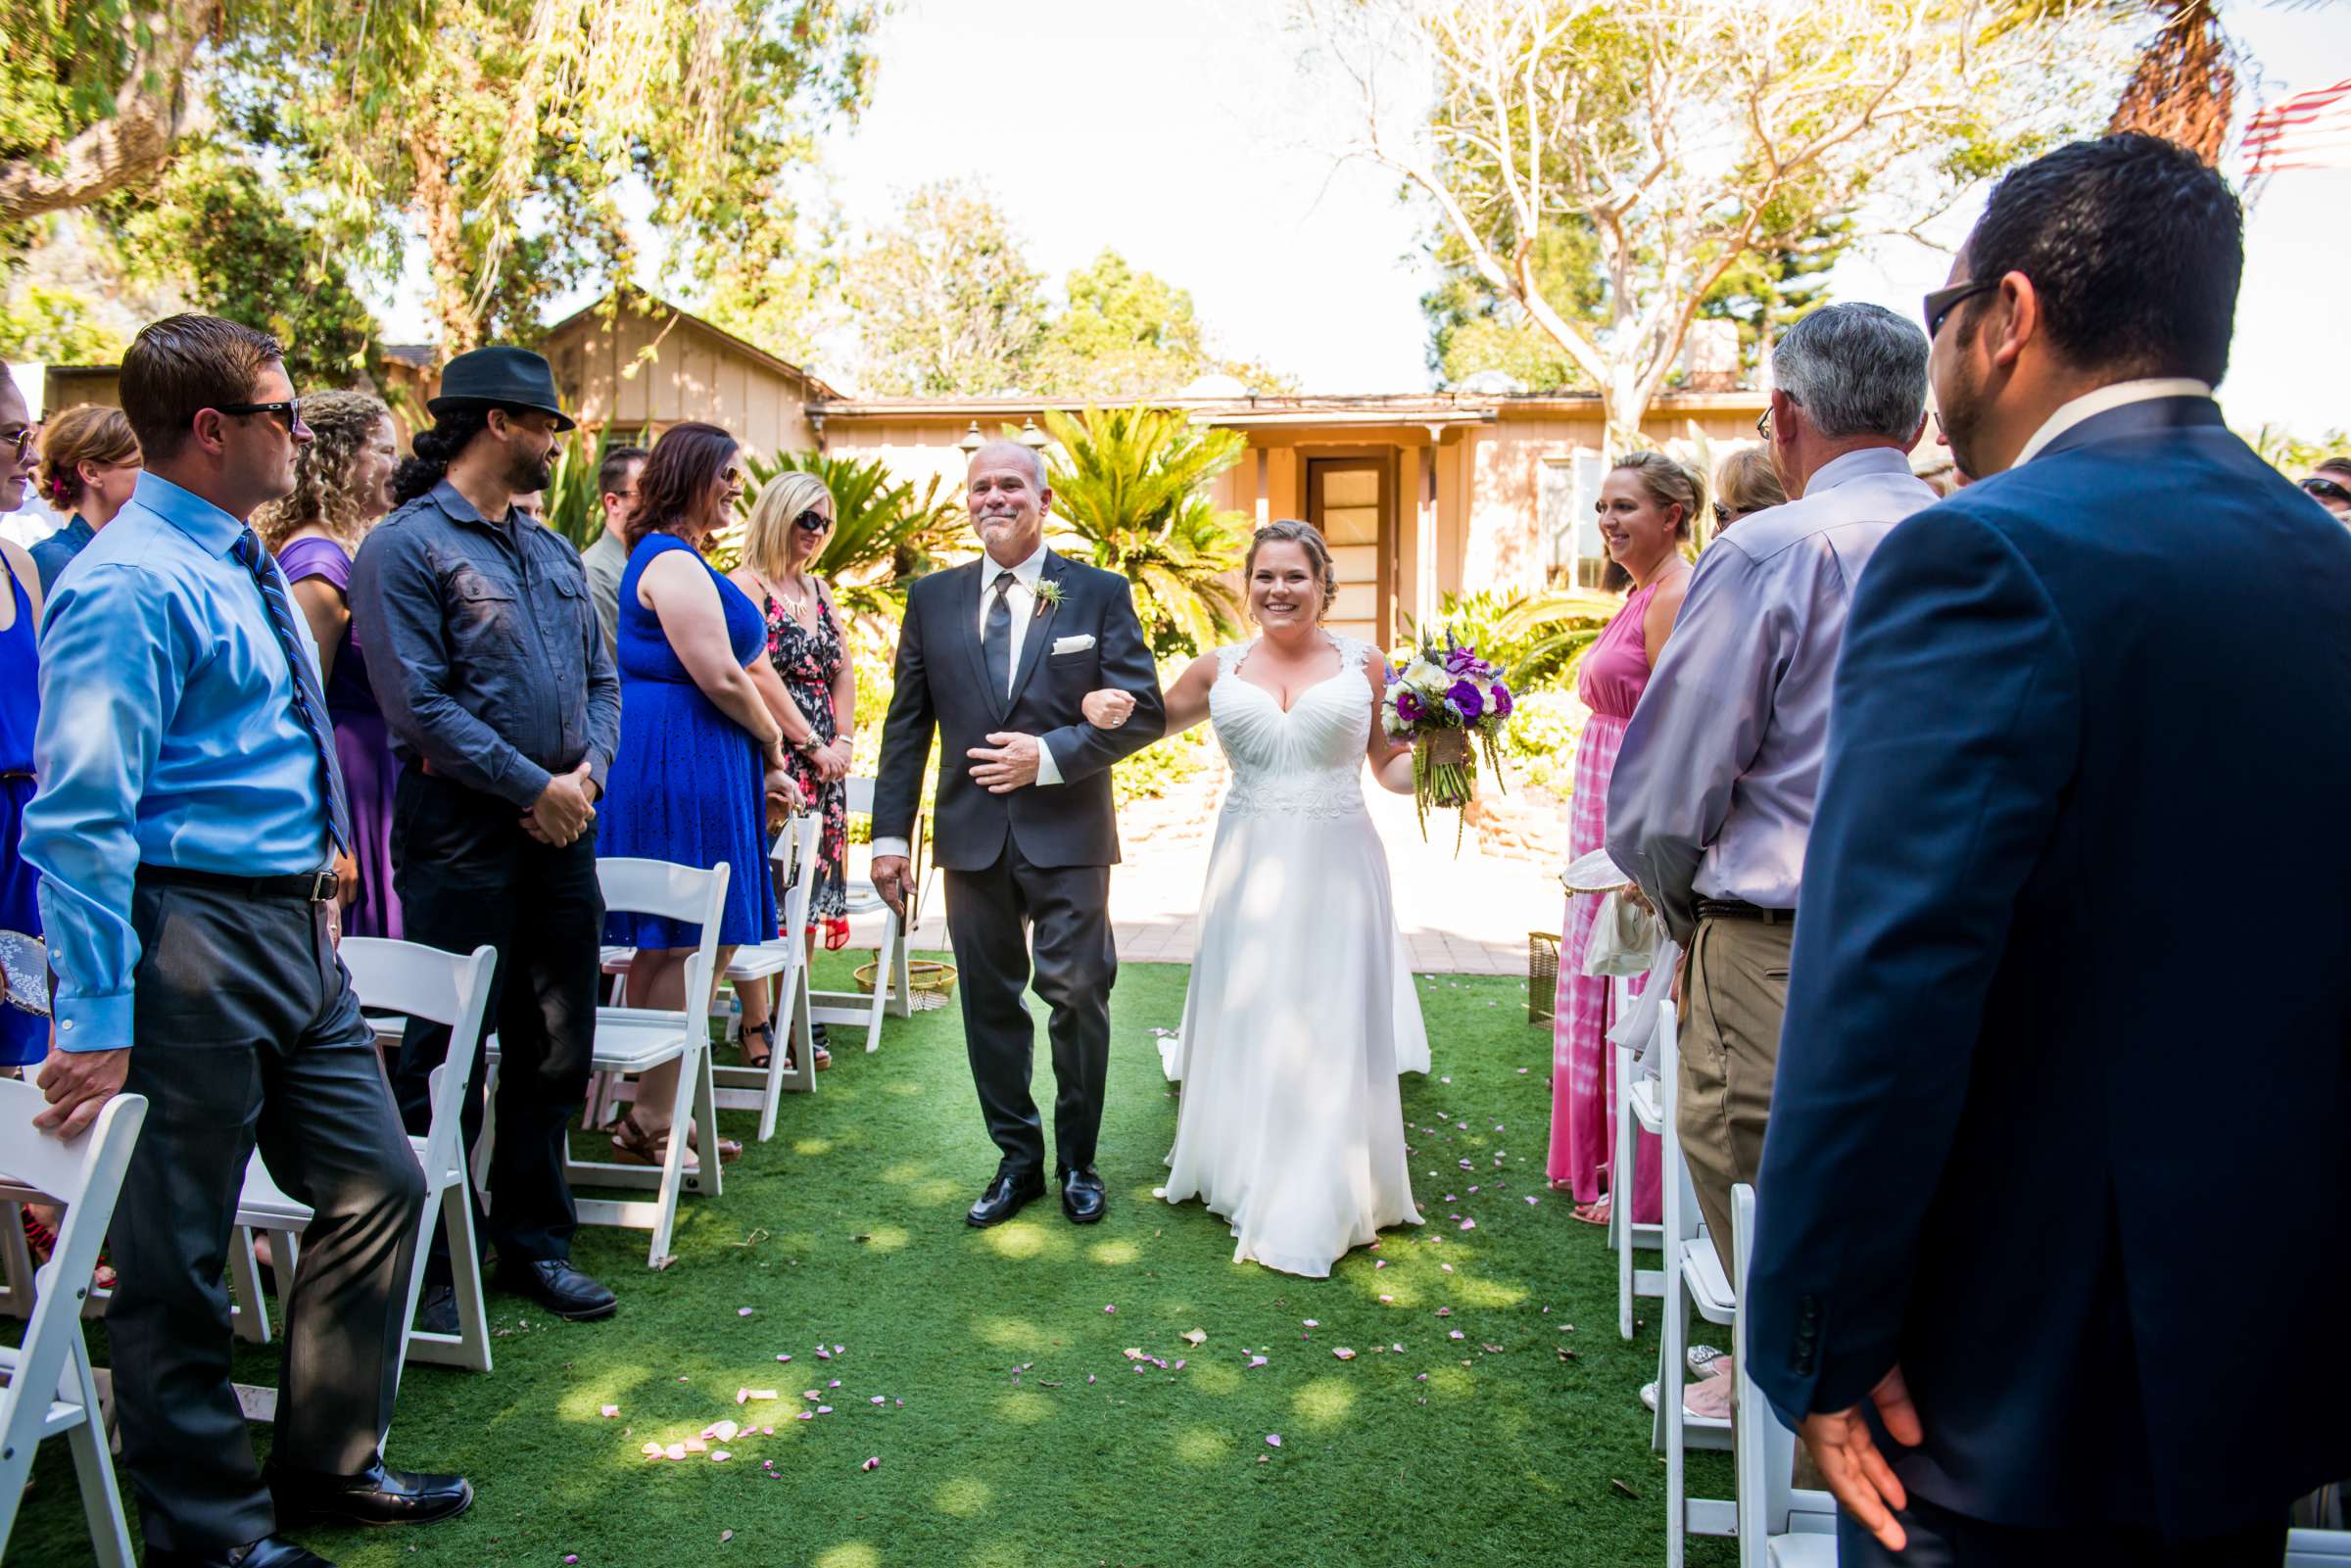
(1300, 1012)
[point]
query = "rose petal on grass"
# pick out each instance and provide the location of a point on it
(1273, 1440)
(1257, 1360)
(1195, 1337)
(783, 1357)
(836, 1383)
(743, 1312)
(676, 1451)
(720, 1457)
(1133, 1354)
(871, 1464)
(651, 1450)
(724, 1431)
(1469, 1224)
(807, 1416)
(609, 1411)
(1111, 1308)
(1444, 1312)
(1179, 1367)
(1398, 1349)
(1310, 1322)
(1448, 1268)
(1387, 1298)
(823, 1409)
(1344, 1353)
(880, 1399)
(743, 1395)
(1532, 1198)
(1457, 1334)
(763, 1394)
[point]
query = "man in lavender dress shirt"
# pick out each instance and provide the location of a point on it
(1712, 797)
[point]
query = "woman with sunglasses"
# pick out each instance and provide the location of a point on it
(2329, 485)
(699, 774)
(807, 643)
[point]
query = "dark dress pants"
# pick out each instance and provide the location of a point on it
(1942, 1539)
(468, 874)
(992, 916)
(246, 1030)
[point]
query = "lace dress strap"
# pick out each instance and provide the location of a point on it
(1353, 654)
(1229, 656)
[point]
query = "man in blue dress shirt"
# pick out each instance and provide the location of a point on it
(189, 808)
(2053, 1208)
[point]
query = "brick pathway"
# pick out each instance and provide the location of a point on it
(1461, 915)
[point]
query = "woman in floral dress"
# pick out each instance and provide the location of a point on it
(809, 644)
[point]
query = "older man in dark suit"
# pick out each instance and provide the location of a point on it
(996, 657)
(2053, 1195)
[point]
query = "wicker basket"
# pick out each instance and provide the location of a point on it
(931, 983)
(1542, 973)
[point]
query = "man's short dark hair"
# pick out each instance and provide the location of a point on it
(612, 474)
(184, 363)
(2135, 246)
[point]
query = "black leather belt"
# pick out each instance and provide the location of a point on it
(1741, 909)
(309, 886)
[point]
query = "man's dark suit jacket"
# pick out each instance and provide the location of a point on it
(2062, 1121)
(942, 680)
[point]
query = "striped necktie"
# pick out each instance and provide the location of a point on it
(310, 703)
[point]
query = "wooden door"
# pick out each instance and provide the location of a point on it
(1351, 501)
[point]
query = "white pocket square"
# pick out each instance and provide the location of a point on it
(1072, 644)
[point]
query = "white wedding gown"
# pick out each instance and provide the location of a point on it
(1299, 1010)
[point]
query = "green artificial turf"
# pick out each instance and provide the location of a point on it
(1013, 1429)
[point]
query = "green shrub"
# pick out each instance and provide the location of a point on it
(1542, 737)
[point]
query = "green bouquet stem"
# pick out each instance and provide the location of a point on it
(1445, 775)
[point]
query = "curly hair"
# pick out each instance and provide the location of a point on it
(340, 424)
(84, 434)
(1308, 538)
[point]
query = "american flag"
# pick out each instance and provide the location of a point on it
(2309, 130)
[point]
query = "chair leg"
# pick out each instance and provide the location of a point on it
(705, 1111)
(896, 962)
(771, 1093)
(250, 1317)
(16, 1262)
(673, 1164)
(802, 1077)
(465, 1272)
(94, 1469)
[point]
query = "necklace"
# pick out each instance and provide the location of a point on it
(795, 607)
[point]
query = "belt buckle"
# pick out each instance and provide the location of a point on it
(325, 884)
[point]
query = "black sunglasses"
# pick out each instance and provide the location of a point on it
(812, 521)
(1942, 302)
(2326, 490)
(291, 409)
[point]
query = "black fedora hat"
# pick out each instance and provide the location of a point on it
(498, 377)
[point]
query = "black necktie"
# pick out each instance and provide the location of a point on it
(997, 641)
(310, 703)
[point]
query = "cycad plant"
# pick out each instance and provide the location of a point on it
(886, 532)
(1129, 483)
(573, 507)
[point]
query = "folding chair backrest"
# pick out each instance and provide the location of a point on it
(861, 795)
(85, 1176)
(797, 898)
(452, 988)
(677, 893)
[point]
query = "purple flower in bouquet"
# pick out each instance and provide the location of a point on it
(1467, 700)
(1502, 700)
(1462, 661)
(1409, 707)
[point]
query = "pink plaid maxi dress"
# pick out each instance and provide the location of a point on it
(1583, 1100)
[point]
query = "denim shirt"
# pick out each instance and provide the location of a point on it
(483, 650)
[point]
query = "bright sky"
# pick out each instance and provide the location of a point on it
(1184, 136)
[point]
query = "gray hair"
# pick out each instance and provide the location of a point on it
(1030, 459)
(1855, 370)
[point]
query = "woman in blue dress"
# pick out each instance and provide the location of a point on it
(24, 1036)
(700, 769)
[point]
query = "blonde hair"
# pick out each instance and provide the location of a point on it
(340, 424)
(766, 538)
(84, 434)
(1746, 482)
(1290, 531)
(1669, 482)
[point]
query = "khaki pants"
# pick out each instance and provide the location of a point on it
(1735, 994)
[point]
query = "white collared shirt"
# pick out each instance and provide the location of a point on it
(1020, 599)
(2104, 400)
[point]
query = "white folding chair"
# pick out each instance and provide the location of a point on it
(893, 982)
(452, 988)
(51, 1388)
(781, 965)
(1639, 1109)
(1779, 1527)
(1694, 1282)
(2317, 1548)
(630, 1040)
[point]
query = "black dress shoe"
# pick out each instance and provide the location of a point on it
(559, 1287)
(1082, 1198)
(377, 1496)
(267, 1553)
(1005, 1197)
(437, 1313)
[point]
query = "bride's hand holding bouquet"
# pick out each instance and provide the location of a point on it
(1449, 705)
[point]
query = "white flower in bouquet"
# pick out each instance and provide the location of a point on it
(1428, 679)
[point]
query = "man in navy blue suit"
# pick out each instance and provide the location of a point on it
(2053, 1195)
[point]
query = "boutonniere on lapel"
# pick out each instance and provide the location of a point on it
(1048, 595)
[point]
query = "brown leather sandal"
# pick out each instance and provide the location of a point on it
(637, 1146)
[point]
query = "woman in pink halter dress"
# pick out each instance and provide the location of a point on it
(1646, 507)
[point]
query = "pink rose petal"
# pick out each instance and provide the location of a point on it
(676, 1451)
(823, 1409)
(1111, 1308)
(609, 1411)
(720, 1457)
(1273, 1440)
(880, 1399)
(1344, 1353)
(783, 1357)
(1469, 1224)
(871, 1464)
(651, 1450)
(743, 1312)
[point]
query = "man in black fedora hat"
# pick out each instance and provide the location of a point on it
(505, 710)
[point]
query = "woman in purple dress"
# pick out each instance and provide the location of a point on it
(342, 488)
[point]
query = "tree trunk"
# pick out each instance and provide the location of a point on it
(154, 107)
(442, 216)
(2185, 85)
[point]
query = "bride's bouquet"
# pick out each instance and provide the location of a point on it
(1450, 704)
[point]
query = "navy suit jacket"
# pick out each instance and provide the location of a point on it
(942, 685)
(2062, 1121)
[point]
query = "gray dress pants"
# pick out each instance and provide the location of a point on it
(246, 1030)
